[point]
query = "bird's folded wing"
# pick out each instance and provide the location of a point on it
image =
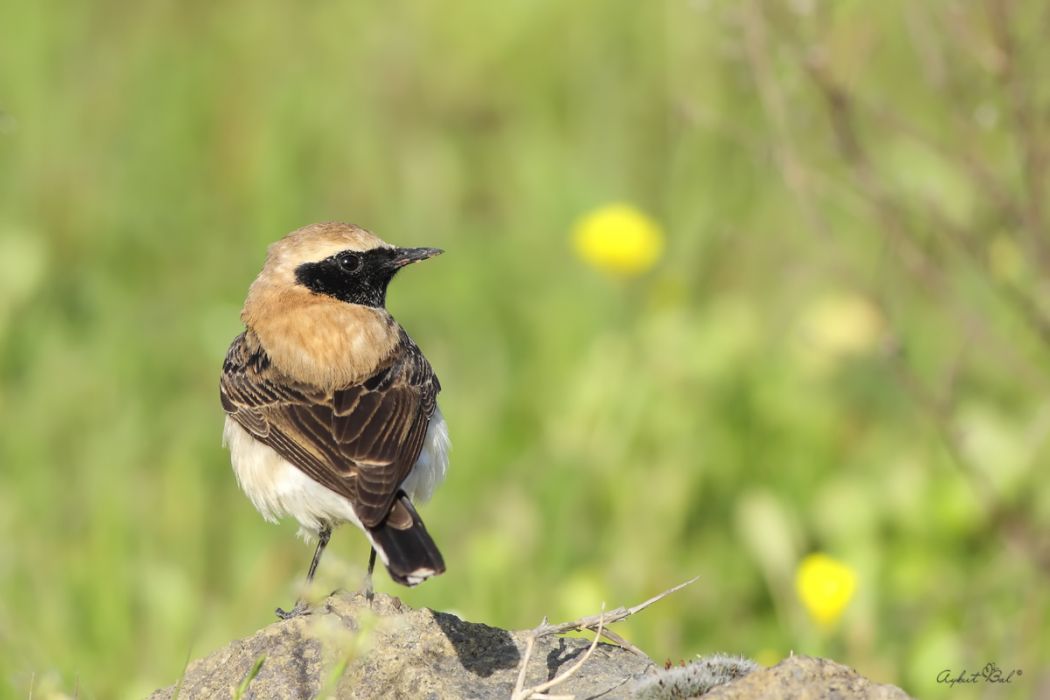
(360, 441)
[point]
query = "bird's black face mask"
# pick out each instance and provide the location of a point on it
(359, 277)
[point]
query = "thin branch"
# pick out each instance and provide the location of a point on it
(621, 642)
(840, 108)
(965, 240)
(597, 623)
(905, 242)
(520, 684)
(1026, 127)
(538, 690)
(967, 161)
(591, 622)
(774, 104)
(943, 422)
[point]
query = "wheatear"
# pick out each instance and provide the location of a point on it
(331, 409)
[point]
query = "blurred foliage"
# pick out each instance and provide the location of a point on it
(844, 347)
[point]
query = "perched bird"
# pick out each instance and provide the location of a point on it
(331, 409)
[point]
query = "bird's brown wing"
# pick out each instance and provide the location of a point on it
(360, 440)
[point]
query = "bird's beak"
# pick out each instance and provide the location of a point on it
(407, 256)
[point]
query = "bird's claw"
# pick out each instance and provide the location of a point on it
(301, 608)
(367, 590)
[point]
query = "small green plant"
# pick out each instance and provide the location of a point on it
(243, 687)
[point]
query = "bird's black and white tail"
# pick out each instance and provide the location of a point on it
(404, 545)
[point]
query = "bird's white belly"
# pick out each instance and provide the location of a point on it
(277, 488)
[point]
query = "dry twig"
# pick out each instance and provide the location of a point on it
(597, 623)
(591, 621)
(538, 692)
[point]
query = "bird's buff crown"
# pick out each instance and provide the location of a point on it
(316, 242)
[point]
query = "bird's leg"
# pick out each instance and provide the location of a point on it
(300, 606)
(322, 542)
(369, 593)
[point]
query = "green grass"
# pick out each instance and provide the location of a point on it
(611, 437)
(252, 673)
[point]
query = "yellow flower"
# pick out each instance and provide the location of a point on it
(825, 586)
(619, 239)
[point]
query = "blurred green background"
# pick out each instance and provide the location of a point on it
(843, 348)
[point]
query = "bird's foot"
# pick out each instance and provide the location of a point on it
(367, 590)
(301, 608)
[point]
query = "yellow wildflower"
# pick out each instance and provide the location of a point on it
(825, 586)
(619, 239)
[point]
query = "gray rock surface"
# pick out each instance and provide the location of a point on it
(349, 649)
(806, 678)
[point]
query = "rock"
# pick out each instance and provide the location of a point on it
(806, 678)
(349, 649)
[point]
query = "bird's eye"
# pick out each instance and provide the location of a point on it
(349, 263)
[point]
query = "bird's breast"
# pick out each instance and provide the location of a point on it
(326, 344)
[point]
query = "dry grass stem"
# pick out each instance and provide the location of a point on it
(520, 684)
(619, 614)
(537, 692)
(597, 623)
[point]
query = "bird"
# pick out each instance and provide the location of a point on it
(331, 413)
